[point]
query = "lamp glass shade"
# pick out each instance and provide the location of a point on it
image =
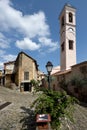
(49, 66)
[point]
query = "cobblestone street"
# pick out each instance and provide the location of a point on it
(18, 116)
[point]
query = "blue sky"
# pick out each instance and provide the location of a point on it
(32, 26)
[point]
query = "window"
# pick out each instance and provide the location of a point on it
(71, 44)
(70, 17)
(62, 47)
(26, 75)
(62, 22)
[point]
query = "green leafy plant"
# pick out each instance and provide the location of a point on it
(76, 81)
(34, 83)
(55, 103)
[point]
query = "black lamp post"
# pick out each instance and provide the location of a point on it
(49, 67)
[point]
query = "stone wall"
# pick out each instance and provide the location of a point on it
(25, 64)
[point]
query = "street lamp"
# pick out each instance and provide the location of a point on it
(49, 67)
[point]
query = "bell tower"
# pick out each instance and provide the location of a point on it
(67, 37)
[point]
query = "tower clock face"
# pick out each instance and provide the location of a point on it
(70, 29)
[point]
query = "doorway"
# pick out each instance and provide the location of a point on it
(27, 86)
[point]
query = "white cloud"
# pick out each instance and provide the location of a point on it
(9, 57)
(27, 44)
(30, 25)
(2, 52)
(4, 42)
(31, 28)
(49, 43)
(1, 65)
(4, 57)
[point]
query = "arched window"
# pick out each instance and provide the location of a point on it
(70, 17)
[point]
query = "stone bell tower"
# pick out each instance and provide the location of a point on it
(67, 37)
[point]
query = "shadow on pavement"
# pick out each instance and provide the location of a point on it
(28, 122)
(83, 104)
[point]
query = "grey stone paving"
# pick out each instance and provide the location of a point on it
(19, 116)
(80, 119)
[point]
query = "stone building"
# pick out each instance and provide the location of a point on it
(21, 71)
(69, 69)
(67, 20)
(74, 80)
(1, 74)
(8, 76)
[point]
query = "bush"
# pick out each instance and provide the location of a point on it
(55, 103)
(63, 84)
(78, 82)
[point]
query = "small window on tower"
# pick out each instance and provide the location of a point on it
(62, 22)
(70, 17)
(71, 44)
(62, 47)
